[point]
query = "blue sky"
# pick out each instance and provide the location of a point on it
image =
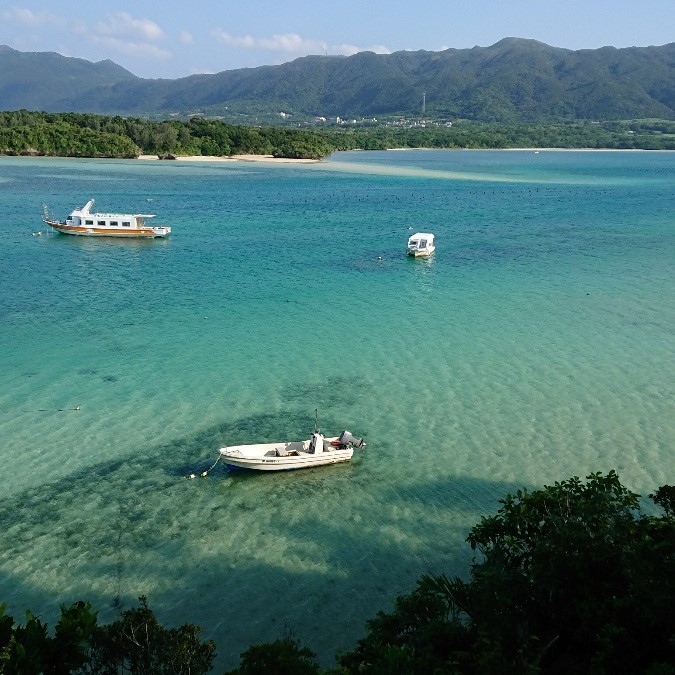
(161, 38)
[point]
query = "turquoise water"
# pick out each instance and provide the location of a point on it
(537, 344)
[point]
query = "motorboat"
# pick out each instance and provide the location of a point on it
(284, 456)
(85, 223)
(421, 244)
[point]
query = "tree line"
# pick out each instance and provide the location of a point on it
(574, 578)
(25, 132)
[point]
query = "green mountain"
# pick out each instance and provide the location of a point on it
(514, 80)
(32, 80)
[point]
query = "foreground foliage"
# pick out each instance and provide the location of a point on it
(135, 644)
(572, 578)
(28, 649)
(86, 135)
(281, 657)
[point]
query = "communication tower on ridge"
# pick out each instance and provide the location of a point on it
(424, 103)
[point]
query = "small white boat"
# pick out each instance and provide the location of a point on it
(87, 224)
(285, 456)
(421, 244)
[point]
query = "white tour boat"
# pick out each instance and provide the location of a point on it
(316, 451)
(83, 222)
(421, 244)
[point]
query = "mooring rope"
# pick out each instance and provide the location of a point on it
(203, 474)
(41, 410)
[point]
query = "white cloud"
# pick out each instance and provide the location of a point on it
(79, 27)
(131, 48)
(126, 35)
(292, 42)
(350, 50)
(288, 42)
(345, 50)
(247, 42)
(186, 38)
(378, 49)
(27, 17)
(123, 24)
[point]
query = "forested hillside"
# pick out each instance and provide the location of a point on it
(83, 135)
(513, 81)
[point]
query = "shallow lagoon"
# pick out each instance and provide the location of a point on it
(536, 344)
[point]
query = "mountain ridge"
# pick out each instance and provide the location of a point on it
(514, 80)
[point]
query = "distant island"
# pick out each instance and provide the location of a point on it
(514, 94)
(25, 133)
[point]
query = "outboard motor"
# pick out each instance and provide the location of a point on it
(346, 438)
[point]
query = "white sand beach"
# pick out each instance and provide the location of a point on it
(234, 158)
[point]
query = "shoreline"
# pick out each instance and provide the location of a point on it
(532, 149)
(269, 159)
(233, 158)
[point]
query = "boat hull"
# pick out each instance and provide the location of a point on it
(421, 254)
(147, 233)
(282, 456)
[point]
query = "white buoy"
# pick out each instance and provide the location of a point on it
(191, 476)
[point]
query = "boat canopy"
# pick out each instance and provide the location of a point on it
(86, 211)
(419, 236)
(421, 241)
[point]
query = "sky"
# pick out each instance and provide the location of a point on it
(172, 39)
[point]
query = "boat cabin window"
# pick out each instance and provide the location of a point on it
(88, 222)
(113, 223)
(101, 222)
(423, 243)
(126, 223)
